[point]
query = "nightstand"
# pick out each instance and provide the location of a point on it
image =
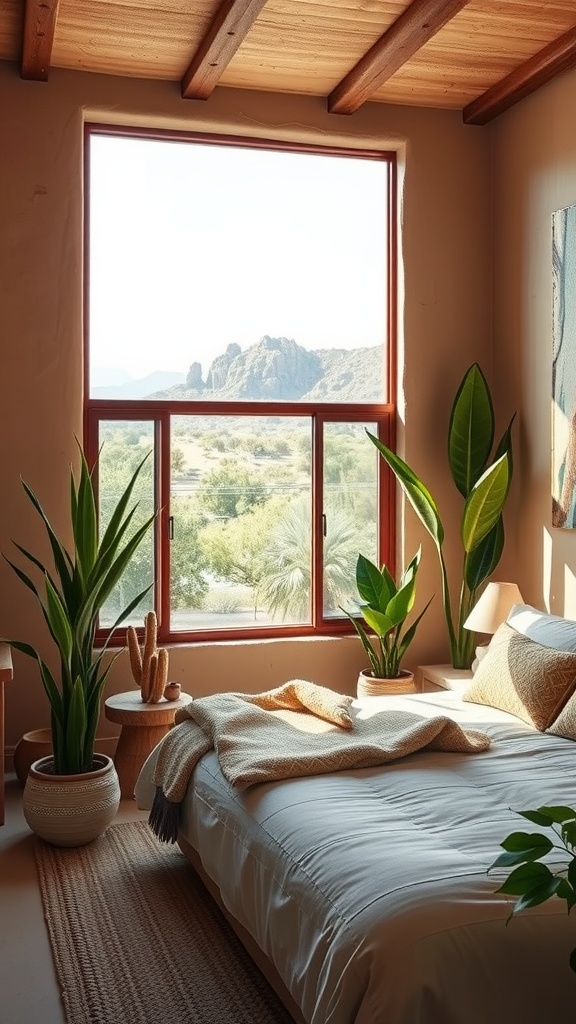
(143, 726)
(443, 677)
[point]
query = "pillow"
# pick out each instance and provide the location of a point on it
(548, 630)
(565, 724)
(526, 678)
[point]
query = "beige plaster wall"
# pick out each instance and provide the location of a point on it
(534, 174)
(445, 325)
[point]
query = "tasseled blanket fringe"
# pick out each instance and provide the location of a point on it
(164, 817)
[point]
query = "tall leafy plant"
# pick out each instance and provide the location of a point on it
(483, 480)
(71, 595)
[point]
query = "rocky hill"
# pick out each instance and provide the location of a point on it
(277, 369)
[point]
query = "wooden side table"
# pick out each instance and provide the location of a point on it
(5, 677)
(143, 726)
(444, 677)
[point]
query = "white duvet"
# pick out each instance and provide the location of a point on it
(368, 889)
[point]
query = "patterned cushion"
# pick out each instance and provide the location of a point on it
(523, 677)
(565, 724)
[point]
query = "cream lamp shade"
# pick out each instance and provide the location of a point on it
(490, 611)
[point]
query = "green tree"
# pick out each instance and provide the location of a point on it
(188, 584)
(230, 490)
(235, 551)
(286, 588)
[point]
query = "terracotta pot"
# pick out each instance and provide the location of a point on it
(31, 747)
(370, 686)
(71, 810)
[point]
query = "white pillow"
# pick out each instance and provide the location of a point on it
(548, 630)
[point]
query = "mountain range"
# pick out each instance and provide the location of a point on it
(278, 369)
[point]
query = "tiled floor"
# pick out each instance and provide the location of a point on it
(28, 989)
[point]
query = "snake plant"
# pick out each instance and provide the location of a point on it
(71, 596)
(483, 480)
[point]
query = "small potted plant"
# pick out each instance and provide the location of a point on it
(71, 796)
(385, 606)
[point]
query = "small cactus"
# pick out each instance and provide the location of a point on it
(149, 664)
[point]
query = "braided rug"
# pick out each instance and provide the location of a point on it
(136, 939)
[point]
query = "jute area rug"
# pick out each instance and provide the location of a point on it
(136, 938)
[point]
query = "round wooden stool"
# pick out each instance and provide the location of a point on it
(143, 726)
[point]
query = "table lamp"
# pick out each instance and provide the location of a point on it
(490, 611)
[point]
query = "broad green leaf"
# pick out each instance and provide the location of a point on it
(539, 894)
(483, 559)
(484, 504)
(402, 602)
(527, 842)
(550, 815)
(415, 490)
(370, 583)
(379, 622)
(512, 859)
(505, 447)
(525, 878)
(471, 430)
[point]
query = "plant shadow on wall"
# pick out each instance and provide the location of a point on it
(483, 480)
(71, 595)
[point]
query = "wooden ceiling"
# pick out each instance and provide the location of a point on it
(478, 56)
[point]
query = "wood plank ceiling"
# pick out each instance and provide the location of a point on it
(479, 56)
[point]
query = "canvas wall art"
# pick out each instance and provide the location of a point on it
(564, 368)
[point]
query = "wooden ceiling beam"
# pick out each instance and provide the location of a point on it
(552, 60)
(38, 38)
(415, 26)
(230, 27)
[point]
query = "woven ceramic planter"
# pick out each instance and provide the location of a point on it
(371, 686)
(71, 810)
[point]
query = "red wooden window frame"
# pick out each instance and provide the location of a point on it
(160, 412)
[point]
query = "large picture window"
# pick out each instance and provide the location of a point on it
(240, 326)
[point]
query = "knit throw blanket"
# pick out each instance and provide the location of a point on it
(294, 730)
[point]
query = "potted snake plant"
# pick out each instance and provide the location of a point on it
(71, 592)
(483, 479)
(385, 606)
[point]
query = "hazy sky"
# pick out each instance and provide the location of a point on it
(193, 247)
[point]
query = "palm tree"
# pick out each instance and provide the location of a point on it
(286, 588)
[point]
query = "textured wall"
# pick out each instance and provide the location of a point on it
(444, 326)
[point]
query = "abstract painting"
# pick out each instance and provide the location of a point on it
(564, 368)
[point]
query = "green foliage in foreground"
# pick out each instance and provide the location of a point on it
(71, 595)
(529, 879)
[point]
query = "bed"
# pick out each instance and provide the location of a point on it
(365, 892)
